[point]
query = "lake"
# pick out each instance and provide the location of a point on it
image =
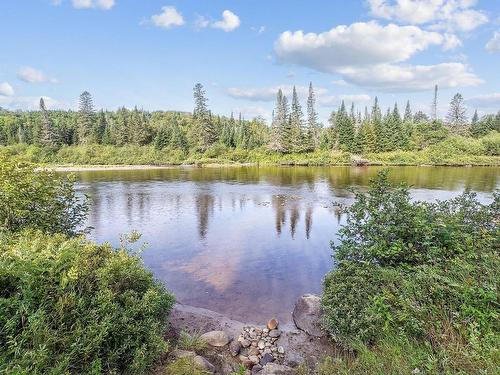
(247, 241)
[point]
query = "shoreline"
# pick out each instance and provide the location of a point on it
(130, 167)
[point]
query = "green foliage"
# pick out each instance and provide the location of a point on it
(191, 341)
(184, 366)
(416, 278)
(38, 200)
(71, 306)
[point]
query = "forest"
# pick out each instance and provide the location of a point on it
(391, 136)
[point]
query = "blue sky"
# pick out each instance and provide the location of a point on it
(151, 53)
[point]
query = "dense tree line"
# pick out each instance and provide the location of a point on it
(290, 130)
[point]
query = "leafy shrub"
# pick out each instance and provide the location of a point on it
(184, 366)
(38, 200)
(424, 273)
(71, 306)
(491, 143)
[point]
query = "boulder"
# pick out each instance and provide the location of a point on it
(307, 315)
(275, 369)
(215, 338)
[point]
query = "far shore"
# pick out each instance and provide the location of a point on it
(129, 167)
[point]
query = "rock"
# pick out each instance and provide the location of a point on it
(275, 333)
(293, 360)
(256, 369)
(245, 343)
(281, 350)
(307, 315)
(215, 338)
(243, 358)
(234, 348)
(272, 324)
(254, 359)
(203, 364)
(198, 360)
(247, 363)
(261, 344)
(275, 369)
(253, 351)
(266, 358)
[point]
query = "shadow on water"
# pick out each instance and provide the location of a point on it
(247, 241)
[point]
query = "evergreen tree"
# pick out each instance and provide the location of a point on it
(311, 134)
(86, 118)
(208, 132)
(408, 117)
(297, 124)
(101, 126)
(281, 126)
(456, 118)
(345, 129)
(475, 118)
(48, 136)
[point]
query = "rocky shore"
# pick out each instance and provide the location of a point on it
(264, 349)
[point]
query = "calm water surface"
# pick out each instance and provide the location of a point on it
(247, 241)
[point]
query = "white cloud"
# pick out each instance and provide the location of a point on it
(359, 44)
(335, 100)
(169, 17)
(340, 82)
(229, 21)
(6, 89)
(30, 102)
(32, 75)
(266, 94)
(394, 78)
(89, 4)
(494, 43)
(452, 15)
(451, 41)
(258, 30)
(487, 101)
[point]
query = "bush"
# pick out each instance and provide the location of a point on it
(417, 275)
(38, 200)
(71, 306)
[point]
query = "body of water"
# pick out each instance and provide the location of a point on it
(247, 241)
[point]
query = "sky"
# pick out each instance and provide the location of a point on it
(150, 53)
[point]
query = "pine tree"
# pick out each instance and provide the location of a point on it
(408, 117)
(297, 124)
(202, 116)
(48, 136)
(86, 118)
(456, 118)
(100, 129)
(281, 126)
(475, 118)
(311, 137)
(345, 129)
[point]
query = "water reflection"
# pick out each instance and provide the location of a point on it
(246, 241)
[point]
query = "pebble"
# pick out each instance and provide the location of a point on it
(245, 343)
(266, 358)
(281, 350)
(234, 348)
(256, 369)
(272, 324)
(261, 344)
(275, 333)
(254, 359)
(254, 351)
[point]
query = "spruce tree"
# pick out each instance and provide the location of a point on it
(281, 126)
(456, 118)
(297, 124)
(408, 117)
(345, 129)
(86, 118)
(48, 136)
(311, 135)
(203, 117)
(100, 128)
